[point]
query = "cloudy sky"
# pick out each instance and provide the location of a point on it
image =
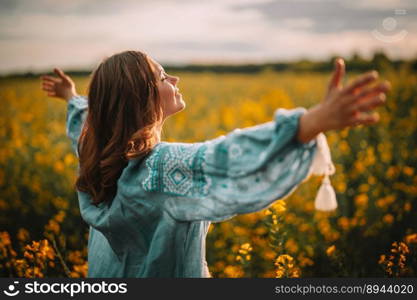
(36, 35)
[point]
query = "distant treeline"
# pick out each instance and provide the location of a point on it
(356, 63)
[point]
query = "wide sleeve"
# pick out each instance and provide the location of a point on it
(242, 172)
(76, 114)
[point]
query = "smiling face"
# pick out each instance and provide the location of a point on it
(171, 99)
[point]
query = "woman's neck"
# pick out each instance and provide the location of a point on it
(159, 132)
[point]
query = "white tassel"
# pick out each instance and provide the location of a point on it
(326, 196)
(323, 165)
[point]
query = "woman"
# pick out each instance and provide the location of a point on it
(149, 203)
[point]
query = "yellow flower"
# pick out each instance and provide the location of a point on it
(5, 238)
(233, 271)
(388, 218)
(403, 248)
(411, 238)
(283, 259)
(359, 166)
(28, 255)
(295, 273)
(382, 259)
(60, 216)
(34, 247)
(344, 147)
(23, 235)
(331, 250)
(364, 187)
(286, 267)
(343, 222)
(361, 200)
(292, 246)
(280, 273)
(74, 275)
(246, 246)
(409, 171)
(341, 186)
(59, 166)
(305, 261)
(46, 250)
(53, 226)
(69, 159)
(391, 172)
(371, 180)
(81, 269)
(220, 243)
(279, 206)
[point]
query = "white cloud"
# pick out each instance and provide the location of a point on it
(384, 4)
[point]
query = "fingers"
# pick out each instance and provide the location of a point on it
(360, 82)
(364, 119)
(48, 86)
(47, 78)
(369, 104)
(367, 93)
(57, 71)
(338, 74)
(359, 105)
(60, 73)
(59, 86)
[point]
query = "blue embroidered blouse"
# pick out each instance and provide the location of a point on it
(157, 223)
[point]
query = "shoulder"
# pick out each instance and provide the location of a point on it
(167, 153)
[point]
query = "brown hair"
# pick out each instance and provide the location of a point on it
(124, 109)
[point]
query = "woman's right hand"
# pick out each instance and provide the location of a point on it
(60, 87)
(350, 105)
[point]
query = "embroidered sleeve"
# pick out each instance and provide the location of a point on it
(76, 114)
(242, 172)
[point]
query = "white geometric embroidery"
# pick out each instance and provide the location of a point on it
(149, 184)
(178, 169)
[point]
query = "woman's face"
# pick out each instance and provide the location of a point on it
(172, 101)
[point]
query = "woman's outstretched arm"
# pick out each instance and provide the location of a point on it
(248, 169)
(63, 87)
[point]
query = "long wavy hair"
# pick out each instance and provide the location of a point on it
(124, 109)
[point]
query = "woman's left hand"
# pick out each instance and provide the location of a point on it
(352, 105)
(60, 87)
(344, 106)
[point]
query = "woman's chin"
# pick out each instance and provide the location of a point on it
(182, 104)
